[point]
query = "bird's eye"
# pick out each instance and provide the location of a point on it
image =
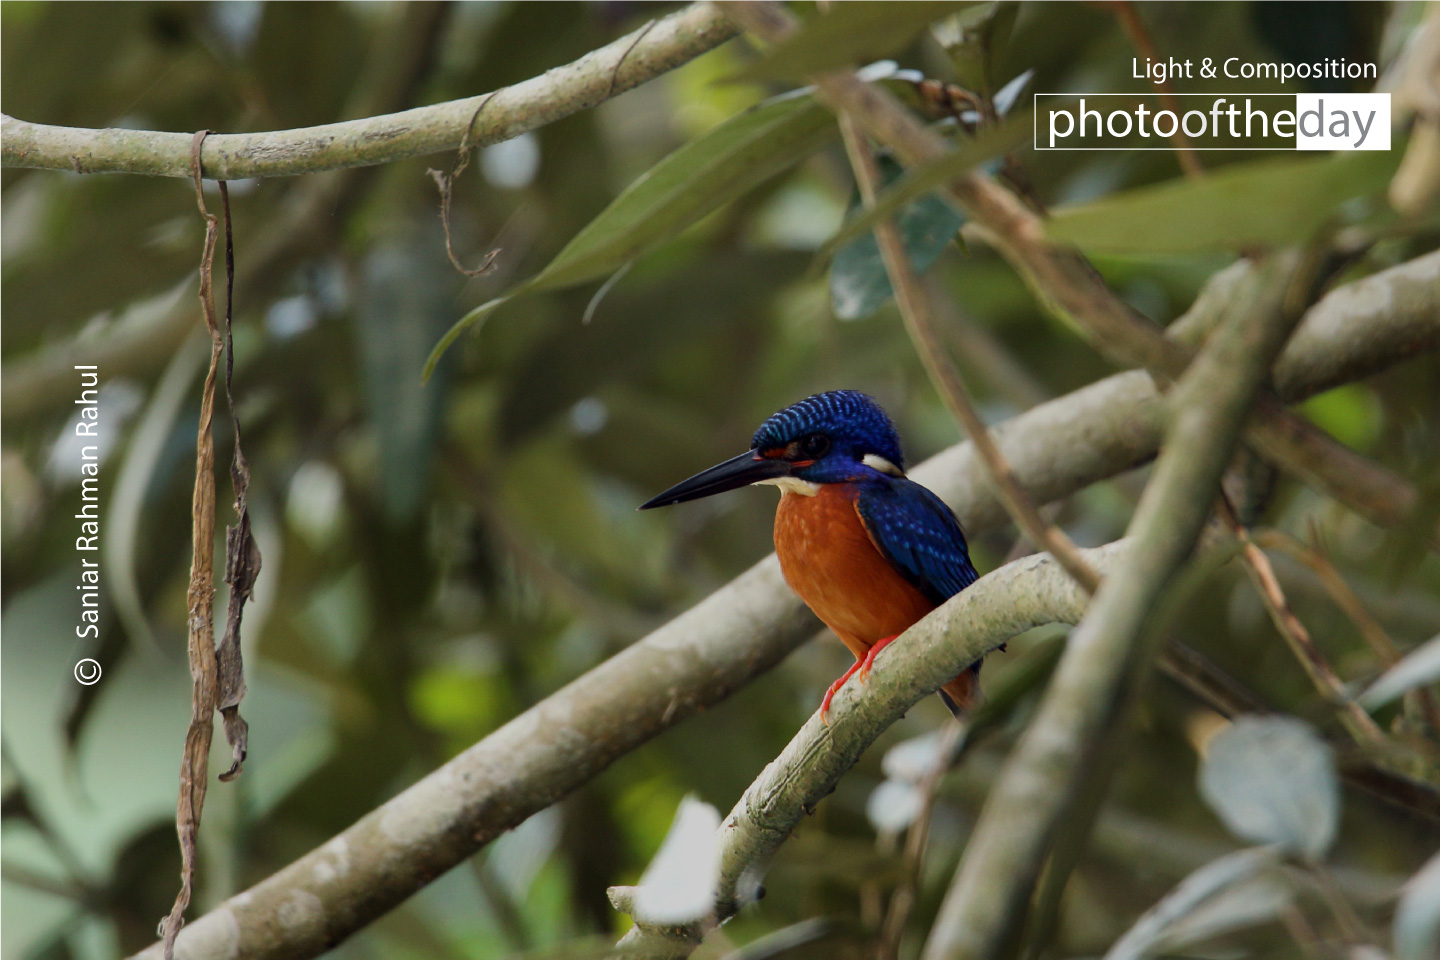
(814, 446)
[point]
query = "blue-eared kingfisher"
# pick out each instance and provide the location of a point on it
(868, 549)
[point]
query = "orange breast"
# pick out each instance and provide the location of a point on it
(829, 559)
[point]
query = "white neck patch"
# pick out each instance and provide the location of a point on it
(793, 485)
(876, 462)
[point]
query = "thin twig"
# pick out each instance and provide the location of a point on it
(1354, 609)
(640, 35)
(1140, 39)
(446, 184)
(1345, 598)
(902, 900)
(1298, 639)
(1352, 928)
(987, 357)
(1318, 460)
(1301, 932)
(1209, 684)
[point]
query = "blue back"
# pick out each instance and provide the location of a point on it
(918, 534)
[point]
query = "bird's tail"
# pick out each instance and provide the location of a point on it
(962, 694)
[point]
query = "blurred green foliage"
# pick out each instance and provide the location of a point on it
(440, 555)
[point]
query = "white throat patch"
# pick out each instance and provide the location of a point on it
(876, 462)
(793, 485)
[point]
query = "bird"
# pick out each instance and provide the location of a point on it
(869, 550)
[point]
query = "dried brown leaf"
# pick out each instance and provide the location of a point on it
(200, 598)
(217, 673)
(242, 554)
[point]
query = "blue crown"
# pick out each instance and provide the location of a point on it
(850, 419)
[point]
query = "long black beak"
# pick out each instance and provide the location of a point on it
(736, 472)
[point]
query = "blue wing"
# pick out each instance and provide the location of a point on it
(919, 535)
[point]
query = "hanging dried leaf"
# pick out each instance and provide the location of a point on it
(217, 674)
(242, 555)
(200, 598)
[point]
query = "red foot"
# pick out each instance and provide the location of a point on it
(869, 662)
(835, 688)
(861, 666)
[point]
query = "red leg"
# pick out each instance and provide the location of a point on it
(862, 666)
(869, 661)
(835, 688)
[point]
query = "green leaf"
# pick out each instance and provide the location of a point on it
(1200, 890)
(851, 33)
(1272, 780)
(859, 284)
(920, 180)
(1420, 667)
(1267, 203)
(475, 316)
(702, 176)
(1417, 918)
(711, 170)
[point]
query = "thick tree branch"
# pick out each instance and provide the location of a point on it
(509, 112)
(1093, 687)
(705, 654)
(1030, 592)
(1071, 288)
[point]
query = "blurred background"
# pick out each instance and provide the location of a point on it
(438, 556)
